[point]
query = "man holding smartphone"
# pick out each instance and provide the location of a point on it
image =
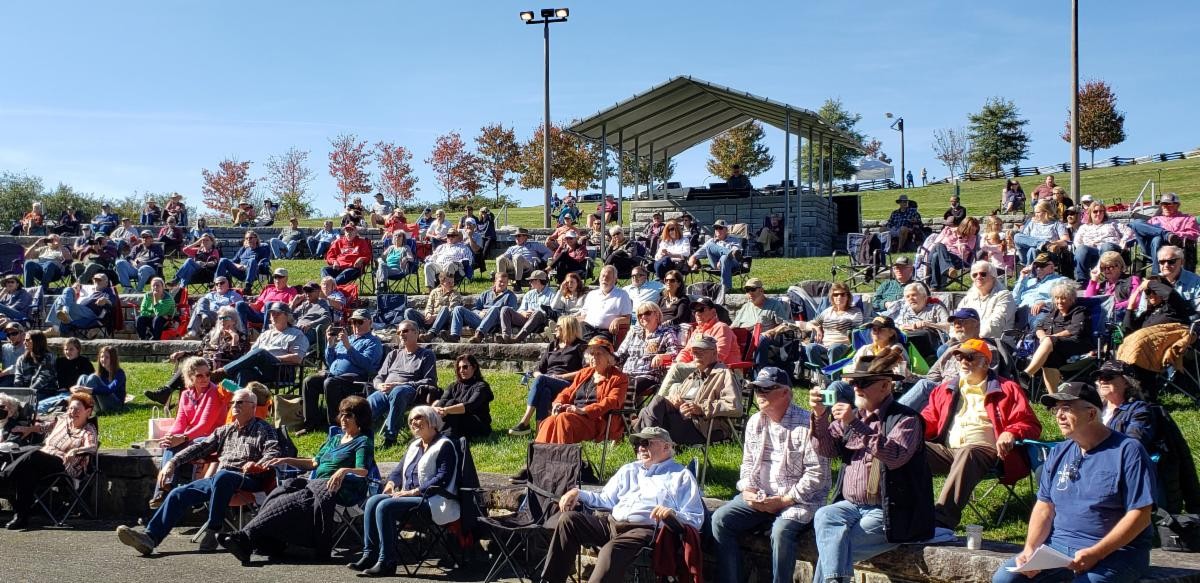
(350, 357)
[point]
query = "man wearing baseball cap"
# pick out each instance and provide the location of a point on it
(1032, 292)
(707, 323)
(280, 344)
(351, 355)
(642, 494)
(964, 325)
(144, 262)
(347, 257)
(760, 308)
(891, 461)
(972, 422)
(778, 488)
(571, 255)
(1094, 500)
(888, 295)
(696, 403)
(1168, 227)
(311, 311)
(106, 220)
(723, 253)
(450, 257)
(530, 316)
(278, 291)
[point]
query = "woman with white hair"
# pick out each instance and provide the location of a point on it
(430, 468)
(924, 321)
(396, 260)
(1066, 332)
(11, 416)
(996, 307)
(1042, 232)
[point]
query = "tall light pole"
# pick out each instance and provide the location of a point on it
(1075, 100)
(549, 15)
(898, 125)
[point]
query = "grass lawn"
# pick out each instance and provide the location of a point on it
(504, 454)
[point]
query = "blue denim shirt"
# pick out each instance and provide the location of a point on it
(362, 359)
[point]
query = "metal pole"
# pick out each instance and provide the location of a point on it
(604, 185)
(1075, 100)
(820, 165)
(787, 227)
(829, 176)
(810, 158)
(620, 163)
(546, 129)
(650, 172)
(903, 174)
(787, 156)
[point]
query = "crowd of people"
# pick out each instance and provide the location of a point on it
(892, 419)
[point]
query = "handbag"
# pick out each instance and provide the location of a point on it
(158, 426)
(1178, 532)
(289, 411)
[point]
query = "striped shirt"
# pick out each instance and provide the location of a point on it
(867, 445)
(778, 459)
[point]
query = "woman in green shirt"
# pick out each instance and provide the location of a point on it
(156, 311)
(300, 511)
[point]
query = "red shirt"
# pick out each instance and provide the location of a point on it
(344, 252)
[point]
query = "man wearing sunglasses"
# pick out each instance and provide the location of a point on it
(995, 305)
(347, 257)
(242, 448)
(1186, 283)
(704, 310)
(883, 442)
(351, 355)
(1032, 292)
(972, 423)
(1095, 495)
(778, 486)
(204, 312)
(279, 291)
(251, 259)
(643, 495)
(1169, 227)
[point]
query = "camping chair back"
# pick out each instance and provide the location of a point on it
(12, 258)
(554, 468)
(27, 397)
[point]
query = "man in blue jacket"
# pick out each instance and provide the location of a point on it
(350, 357)
(253, 258)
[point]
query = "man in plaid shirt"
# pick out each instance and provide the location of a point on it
(903, 223)
(783, 481)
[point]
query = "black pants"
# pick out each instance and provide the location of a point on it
(151, 327)
(25, 475)
(620, 543)
(659, 412)
(334, 388)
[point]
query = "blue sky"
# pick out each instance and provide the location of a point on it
(138, 96)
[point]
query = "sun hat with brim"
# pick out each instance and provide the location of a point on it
(883, 322)
(1042, 259)
(600, 342)
(902, 198)
(871, 367)
(12, 278)
(1074, 391)
(771, 378)
(648, 433)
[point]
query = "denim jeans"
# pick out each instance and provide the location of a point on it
(441, 321)
(380, 516)
(79, 316)
(1122, 566)
(542, 391)
(248, 313)
(316, 248)
(1149, 238)
(847, 533)
(106, 402)
(391, 406)
(341, 275)
(217, 491)
(940, 261)
(1087, 257)
(281, 249)
(126, 272)
(204, 315)
(256, 365)
(822, 355)
(662, 266)
(246, 273)
(42, 273)
(1028, 247)
(187, 271)
(732, 521)
(721, 258)
(416, 316)
(485, 323)
(12, 314)
(916, 397)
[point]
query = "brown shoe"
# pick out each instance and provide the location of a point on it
(476, 339)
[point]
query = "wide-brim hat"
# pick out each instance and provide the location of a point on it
(902, 198)
(872, 367)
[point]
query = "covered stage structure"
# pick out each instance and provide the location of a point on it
(685, 111)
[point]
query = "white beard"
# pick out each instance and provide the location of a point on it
(860, 402)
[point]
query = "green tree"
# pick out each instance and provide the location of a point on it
(997, 135)
(1101, 126)
(839, 161)
(637, 170)
(17, 194)
(568, 160)
(740, 146)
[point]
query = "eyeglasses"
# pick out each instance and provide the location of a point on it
(1171, 261)
(279, 276)
(1107, 267)
(345, 414)
(465, 366)
(964, 357)
(1106, 377)
(838, 294)
(671, 280)
(751, 289)
(639, 275)
(866, 383)
(356, 320)
(979, 275)
(645, 315)
(224, 317)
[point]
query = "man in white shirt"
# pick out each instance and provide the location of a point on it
(633, 495)
(447, 258)
(641, 288)
(606, 310)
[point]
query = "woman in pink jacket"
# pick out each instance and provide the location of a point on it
(202, 409)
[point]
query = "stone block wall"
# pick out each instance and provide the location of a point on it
(812, 227)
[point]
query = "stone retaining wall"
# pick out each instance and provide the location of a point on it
(812, 228)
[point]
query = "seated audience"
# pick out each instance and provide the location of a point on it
(380, 209)
(696, 402)
(1108, 278)
(125, 236)
(202, 408)
(707, 323)
(301, 510)
(641, 288)
(171, 236)
(451, 258)
(1012, 200)
(972, 423)
(396, 262)
(204, 311)
(1032, 292)
(524, 256)
(45, 262)
(1096, 237)
(355, 213)
(1065, 333)
(69, 222)
(770, 237)
(647, 349)
(570, 257)
(533, 307)
(673, 251)
(32, 222)
(956, 211)
(35, 369)
(72, 364)
(483, 316)
(98, 255)
(407, 370)
(891, 461)
(347, 257)
(152, 214)
(760, 309)
(1186, 283)
(176, 209)
(1098, 512)
(724, 254)
(1168, 227)
(145, 262)
(227, 341)
(606, 309)
(284, 245)
(580, 411)
(107, 384)
(566, 225)
(995, 305)
(200, 229)
(641, 495)
(1042, 234)
(465, 404)
(428, 474)
(886, 299)
(443, 298)
(70, 438)
(252, 311)
(953, 250)
(81, 306)
(351, 355)
(244, 449)
(250, 260)
(201, 263)
(318, 244)
(106, 220)
(555, 370)
(15, 301)
(621, 251)
(782, 482)
(439, 229)
(904, 223)
(1163, 305)
(311, 311)
(831, 329)
(675, 304)
(266, 217)
(156, 311)
(924, 320)
(280, 344)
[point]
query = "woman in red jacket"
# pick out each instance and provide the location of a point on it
(580, 411)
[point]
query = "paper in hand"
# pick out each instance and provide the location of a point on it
(1042, 559)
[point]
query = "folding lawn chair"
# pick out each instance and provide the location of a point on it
(865, 257)
(455, 538)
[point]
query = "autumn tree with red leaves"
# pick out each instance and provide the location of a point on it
(499, 157)
(396, 179)
(1101, 126)
(229, 185)
(457, 170)
(288, 177)
(348, 165)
